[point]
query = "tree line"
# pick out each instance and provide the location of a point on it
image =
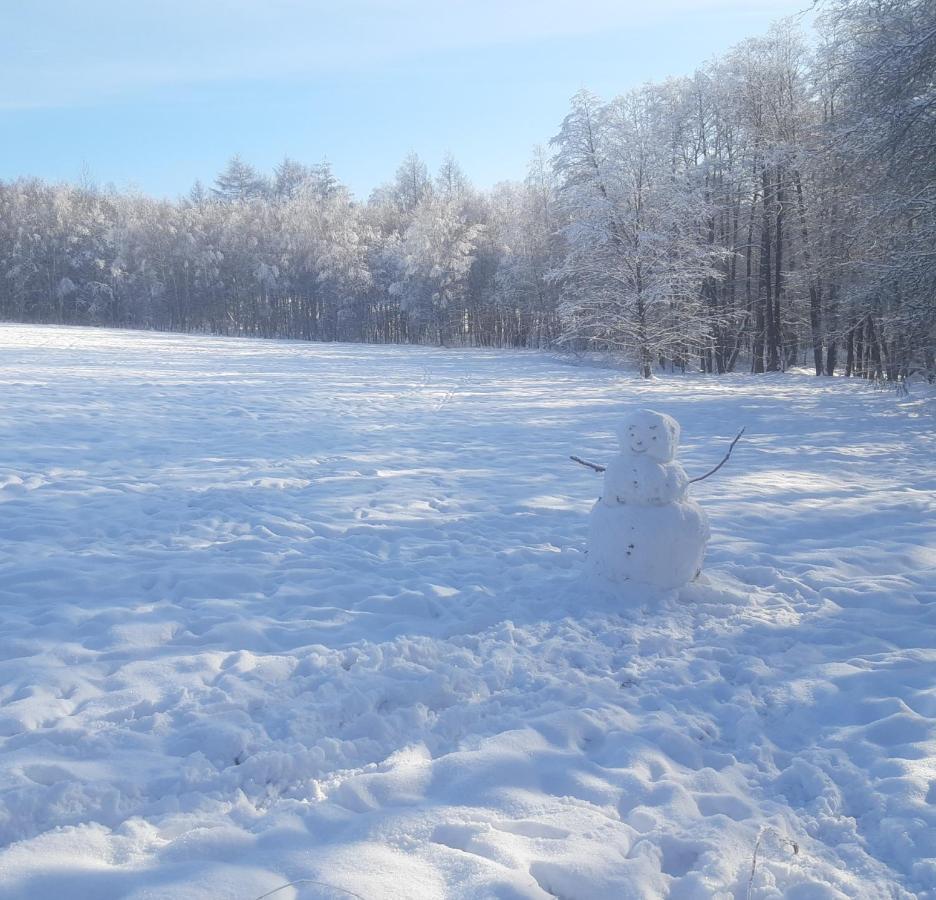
(775, 209)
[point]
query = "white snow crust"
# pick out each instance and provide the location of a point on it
(275, 612)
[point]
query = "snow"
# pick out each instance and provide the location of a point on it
(275, 612)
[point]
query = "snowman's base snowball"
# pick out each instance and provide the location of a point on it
(661, 546)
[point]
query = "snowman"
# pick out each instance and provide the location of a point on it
(645, 527)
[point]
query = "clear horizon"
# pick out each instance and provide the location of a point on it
(158, 101)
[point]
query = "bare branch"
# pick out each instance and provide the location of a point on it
(727, 455)
(334, 887)
(590, 465)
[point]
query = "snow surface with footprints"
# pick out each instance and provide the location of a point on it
(275, 612)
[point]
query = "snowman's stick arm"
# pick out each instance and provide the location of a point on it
(727, 455)
(585, 462)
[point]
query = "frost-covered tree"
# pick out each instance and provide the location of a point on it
(776, 209)
(435, 254)
(239, 181)
(881, 57)
(288, 178)
(526, 225)
(412, 184)
(636, 256)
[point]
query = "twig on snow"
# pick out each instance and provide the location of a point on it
(585, 462)
(765, 831)
(727, 455)
(334, 887)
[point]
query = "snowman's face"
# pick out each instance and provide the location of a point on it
(652, 433)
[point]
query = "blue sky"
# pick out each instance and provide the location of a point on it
(157, 94)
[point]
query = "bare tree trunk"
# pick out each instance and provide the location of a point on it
(764, 309)
(642, 347)
(858, 331)
(815, 286)
(774, 331)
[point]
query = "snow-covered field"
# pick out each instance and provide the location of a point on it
(278, 612)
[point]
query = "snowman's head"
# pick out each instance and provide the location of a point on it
(651, 433)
